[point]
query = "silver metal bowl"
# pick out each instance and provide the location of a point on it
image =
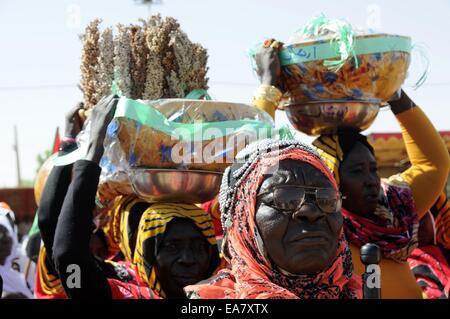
(326, 117)
(176, 186)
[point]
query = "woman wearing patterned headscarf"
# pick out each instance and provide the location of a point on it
(175, 247)
(282, 226)
(383, 212)
(387, 211)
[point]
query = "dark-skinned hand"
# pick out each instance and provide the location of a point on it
(400, 102)
(268, 66)
(74, 122)
(101, 116)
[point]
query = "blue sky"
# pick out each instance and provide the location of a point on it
(40, 54)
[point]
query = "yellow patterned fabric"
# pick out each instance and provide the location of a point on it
(124, 243)
(116, 229)
(330, 150)
(48, 286)
(152, 226)
(442, 207)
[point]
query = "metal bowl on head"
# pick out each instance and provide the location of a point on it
(175, 186)
(326, 117)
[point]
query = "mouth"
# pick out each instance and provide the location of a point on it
(372, 197)
(311, 239)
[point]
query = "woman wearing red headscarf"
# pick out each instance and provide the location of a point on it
(283, 233)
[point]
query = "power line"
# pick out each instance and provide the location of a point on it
(69, 86)
(233, 83)
(219, 83)
(37, 87)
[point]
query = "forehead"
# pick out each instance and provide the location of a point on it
(359, 155)
(293, 172)
(182, 229)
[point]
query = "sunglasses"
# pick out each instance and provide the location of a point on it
(291, 198)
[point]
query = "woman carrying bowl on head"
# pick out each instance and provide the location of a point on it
(175, 244)
(384, 212)
(283, 233)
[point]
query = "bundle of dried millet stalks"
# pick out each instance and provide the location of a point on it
(89, 63)
(105, 64)
(150, 60)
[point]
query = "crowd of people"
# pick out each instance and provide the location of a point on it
(293, 218)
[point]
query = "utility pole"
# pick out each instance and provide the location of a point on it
(149, 4)
(16, 150)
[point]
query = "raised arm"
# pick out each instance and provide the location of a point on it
(71, 245)
(268, 68)
(427, 153)
(56, 186)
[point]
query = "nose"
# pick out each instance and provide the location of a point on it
(372, 180)
(187, 257)
(308, 212)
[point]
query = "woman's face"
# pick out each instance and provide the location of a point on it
(360, 183)
(5, 244)
(183, 258)
(303, 241)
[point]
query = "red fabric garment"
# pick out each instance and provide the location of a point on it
(125, 271)
(134, 288)
(122, 290)
(50, 287)
(47, 285)
(432, 271)
(212, 208)
(56, 142)
(39, 292)
(335, 283)
(394, 226)
(251, 275)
